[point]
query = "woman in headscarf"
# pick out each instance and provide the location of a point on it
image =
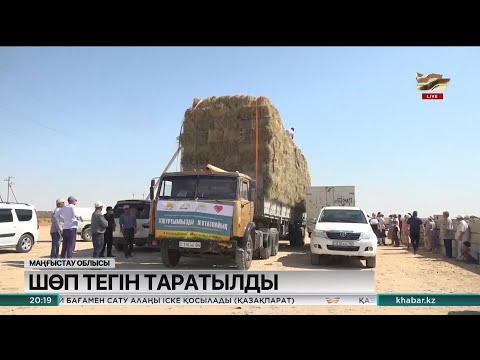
(430, 234)
(405, 238)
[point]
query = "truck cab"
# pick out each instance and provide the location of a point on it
(211, 212)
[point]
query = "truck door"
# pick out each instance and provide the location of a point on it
(246, 207)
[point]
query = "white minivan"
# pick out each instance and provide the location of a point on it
(18, 226)
(141, 209)
(343, 231)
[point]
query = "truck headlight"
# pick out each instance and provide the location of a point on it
(318, 234)
(367, 236)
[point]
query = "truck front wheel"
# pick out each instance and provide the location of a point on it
(244, 255)
(170, 257)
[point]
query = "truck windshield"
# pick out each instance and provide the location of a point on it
(343, 216)
(199, 187)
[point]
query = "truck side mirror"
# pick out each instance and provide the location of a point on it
(152, 185)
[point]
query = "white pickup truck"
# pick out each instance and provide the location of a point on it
(343, 231)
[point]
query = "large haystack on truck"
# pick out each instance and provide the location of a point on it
(251, 193)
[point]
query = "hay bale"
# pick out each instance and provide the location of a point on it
(221, 131)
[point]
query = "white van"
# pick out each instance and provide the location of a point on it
(18, 226)
(141, 209)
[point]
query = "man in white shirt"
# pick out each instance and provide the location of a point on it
(69, 215)
(290, 132)
(461, 236)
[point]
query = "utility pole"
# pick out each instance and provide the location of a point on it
(143, 195)
(133, 196)
(9, 188)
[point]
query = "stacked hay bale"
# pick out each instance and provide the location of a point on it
(221, 131)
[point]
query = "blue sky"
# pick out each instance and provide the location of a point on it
(99, 122)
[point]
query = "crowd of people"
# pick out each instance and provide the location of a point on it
(64, 224)
(406, 230)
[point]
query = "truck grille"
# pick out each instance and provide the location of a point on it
(337, 235)
(343, 248)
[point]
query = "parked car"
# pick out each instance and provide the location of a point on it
(343, 231)
(18, 226)
(141, 209)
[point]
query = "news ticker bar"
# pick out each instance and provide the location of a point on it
(291, 299)
(207, 299)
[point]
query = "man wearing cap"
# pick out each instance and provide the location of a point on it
(56, 229)
(128, 227)
(69, 215)
(461, 236)
(99, 225)
(446, 233)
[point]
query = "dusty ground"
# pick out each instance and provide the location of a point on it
(397, 272)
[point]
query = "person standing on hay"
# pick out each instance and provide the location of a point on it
(290, 132)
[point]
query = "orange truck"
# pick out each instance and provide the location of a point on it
(214, 211)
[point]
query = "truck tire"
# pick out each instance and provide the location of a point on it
(170, 257)
(275, 242)
(244, 255)
(371, 262)
(315, 259)
(119, 247)
(266, 250)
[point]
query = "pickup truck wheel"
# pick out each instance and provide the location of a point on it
(244, 255)
(315, 259)
(87, 234)
(170, 257)
(371, 262)
(275, 242)
(119, 247)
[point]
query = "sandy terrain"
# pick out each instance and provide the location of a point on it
(397, 272)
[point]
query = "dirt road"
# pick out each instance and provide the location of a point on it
(398, 271)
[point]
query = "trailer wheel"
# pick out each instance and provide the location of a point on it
(170, 257)
(266, 251)
(275, 241)
(244, 255)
